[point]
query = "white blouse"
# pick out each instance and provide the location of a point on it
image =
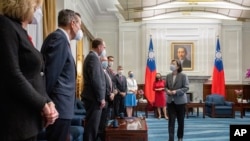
(131, 84)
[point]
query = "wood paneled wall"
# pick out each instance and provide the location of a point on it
(230, 94)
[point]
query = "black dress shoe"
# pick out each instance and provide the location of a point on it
(180, 139)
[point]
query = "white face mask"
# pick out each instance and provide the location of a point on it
(173, 67)
(103, 52)
(111, 64)
(104, 64)
(37, 17)
(79, 35)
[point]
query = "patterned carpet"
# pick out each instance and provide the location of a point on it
(196, 128)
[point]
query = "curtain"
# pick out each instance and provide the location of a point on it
(49, 17)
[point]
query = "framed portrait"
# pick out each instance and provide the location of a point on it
(183, 51)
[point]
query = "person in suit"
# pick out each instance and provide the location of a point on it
(182, 56)
(60, 71)
(109, 97)
(94, 91)
(25, 106)
(177, 85)
(121, 87)
(111, 74)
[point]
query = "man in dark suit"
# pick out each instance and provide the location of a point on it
(93, 94)
(121, 87)
(182, 56)
(109, 96)
(60, 71)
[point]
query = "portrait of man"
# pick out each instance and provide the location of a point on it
(184, 53)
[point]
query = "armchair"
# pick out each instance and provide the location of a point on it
(217, 106)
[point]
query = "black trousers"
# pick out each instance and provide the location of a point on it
(59, 131)
(176, 111)
(119, 105)
(92, 120)
(30, 139)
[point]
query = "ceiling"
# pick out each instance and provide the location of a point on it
(138, 10)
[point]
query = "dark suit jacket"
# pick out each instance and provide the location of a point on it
(22, 87)
(181, 85)
(186, 63)
(60, 73)
(121, 85)
(94, 78)
(109, 85)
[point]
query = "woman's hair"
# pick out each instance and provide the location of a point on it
(19, 9)
(178, 63)
(156, 75)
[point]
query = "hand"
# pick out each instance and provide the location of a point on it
(50, 113)
(123, 94)
(174, 92)
(169, 92)
(115, 91)
(102, 103)
(112, 95)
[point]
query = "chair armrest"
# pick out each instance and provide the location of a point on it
(207, 103)
(80, 111)
(76, 121)
(229, 103)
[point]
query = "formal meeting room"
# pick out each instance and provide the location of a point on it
(208, 39)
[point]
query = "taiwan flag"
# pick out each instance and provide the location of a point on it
(218, 82)
(150, 74)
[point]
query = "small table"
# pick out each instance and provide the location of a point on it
(195, 105)
(142, 106)
(243, 106)
(123, 134)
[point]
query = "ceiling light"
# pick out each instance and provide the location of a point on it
(214, 4)
(190, 15)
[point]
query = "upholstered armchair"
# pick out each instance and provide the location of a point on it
(217, 106)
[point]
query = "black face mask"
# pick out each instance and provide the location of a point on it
(158, 78)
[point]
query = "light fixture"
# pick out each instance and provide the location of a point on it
(211, 4)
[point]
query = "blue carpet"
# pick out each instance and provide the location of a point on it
(196, 128)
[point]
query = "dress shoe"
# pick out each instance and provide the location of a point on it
(180, 139)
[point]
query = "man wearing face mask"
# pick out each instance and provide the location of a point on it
(177, 85)
(109, 96)
(121, 87)
(93, 95)
(60, 71)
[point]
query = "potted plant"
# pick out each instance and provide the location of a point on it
(239, 94)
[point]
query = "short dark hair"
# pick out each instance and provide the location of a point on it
(109, 57)
(96, 42)
(178, 63)
(65, 16)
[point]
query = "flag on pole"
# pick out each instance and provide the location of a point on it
(218, 82)
(150, 74)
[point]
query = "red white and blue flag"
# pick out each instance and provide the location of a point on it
(218, 82)
(150, 74)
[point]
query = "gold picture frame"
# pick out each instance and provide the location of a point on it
(183, 51)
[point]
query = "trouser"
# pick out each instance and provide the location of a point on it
(54, 134)
(176, 111)
(92, 120)
(119, 105)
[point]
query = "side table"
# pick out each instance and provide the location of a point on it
(195, 105)
(142, 106)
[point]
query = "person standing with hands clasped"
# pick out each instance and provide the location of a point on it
(130, 98)
(93, 95)
(177, 85)
(160, 96)
(25, 106)
(60, 71)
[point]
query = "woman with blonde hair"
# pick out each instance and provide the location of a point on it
(25, 106)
